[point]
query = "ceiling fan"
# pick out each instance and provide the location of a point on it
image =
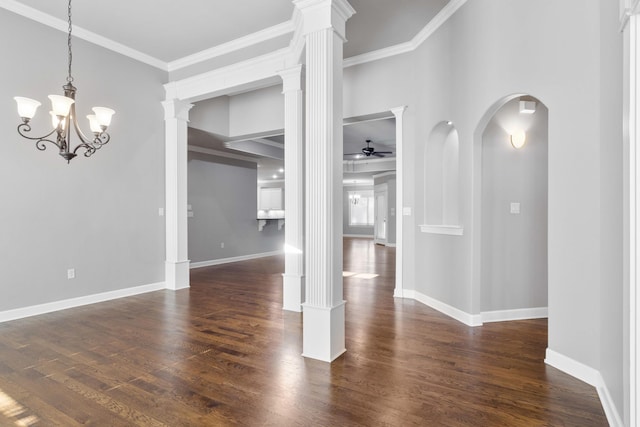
(370, 151)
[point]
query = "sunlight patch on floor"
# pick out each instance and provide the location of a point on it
(12, 409)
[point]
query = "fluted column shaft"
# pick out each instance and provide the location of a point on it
(323, 320)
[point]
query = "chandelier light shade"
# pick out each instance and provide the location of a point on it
(63, 118)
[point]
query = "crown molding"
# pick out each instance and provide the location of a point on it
(234, 45)
(293, 26)
(376, 55)
(428, 30)
(441, 17)
(81, 33)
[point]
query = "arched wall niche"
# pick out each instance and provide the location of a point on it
(442, 181)
(514, 206)
(493, 131)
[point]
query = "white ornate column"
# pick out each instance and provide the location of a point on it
(293, 277)
(324, 308)
(177, 264)
(399, 115)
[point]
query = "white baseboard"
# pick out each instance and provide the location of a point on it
(590, 376)
(610, 410)
(366, 236)
(573, 367)
(517, 314)
(233, 259)
(457, 314)
(35, 310)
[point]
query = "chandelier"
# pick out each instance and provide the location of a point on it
(63, 118)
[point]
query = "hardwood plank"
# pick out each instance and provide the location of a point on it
(224, 353)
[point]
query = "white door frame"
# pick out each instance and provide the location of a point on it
(631, 28)
(377, 190)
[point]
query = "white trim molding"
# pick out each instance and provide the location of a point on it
(590, 376)
(398, 114)
(35, 310)
(220, 261)
(254, 73)
(453, 312)
(516, 314)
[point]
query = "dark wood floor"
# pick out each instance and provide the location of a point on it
(223, 352)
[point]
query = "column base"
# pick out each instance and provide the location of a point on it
(176, 274)
(292, 292)
(398, 293)
(323, 332)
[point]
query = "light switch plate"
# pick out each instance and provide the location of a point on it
(406, 211)
(515, 207)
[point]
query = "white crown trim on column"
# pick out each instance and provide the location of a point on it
(249, 74)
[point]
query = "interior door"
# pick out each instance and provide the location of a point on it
(380, 209)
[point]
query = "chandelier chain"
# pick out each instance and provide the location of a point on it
(69, 77)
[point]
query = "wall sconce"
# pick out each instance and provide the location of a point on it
(518, 139)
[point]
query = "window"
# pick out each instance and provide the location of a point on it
(361, 208)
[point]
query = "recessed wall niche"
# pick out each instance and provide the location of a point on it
(442, 181)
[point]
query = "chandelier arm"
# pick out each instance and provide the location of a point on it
(40, 140)
(83, 138)
(88, 149)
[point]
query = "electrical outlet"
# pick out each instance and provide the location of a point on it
(222, 245)
(160, 211)
(71, 273)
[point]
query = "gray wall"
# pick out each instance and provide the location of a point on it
(98, 215)
(223, 197)
(257, 111)
(514, 246)
(346, 228)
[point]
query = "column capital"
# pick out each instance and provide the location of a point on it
(398, 111)
(323, 14)
(292, 78)
(176, 109)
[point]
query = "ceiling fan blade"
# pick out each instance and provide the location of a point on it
(378, 154)
(385, 152)
(352, 154)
